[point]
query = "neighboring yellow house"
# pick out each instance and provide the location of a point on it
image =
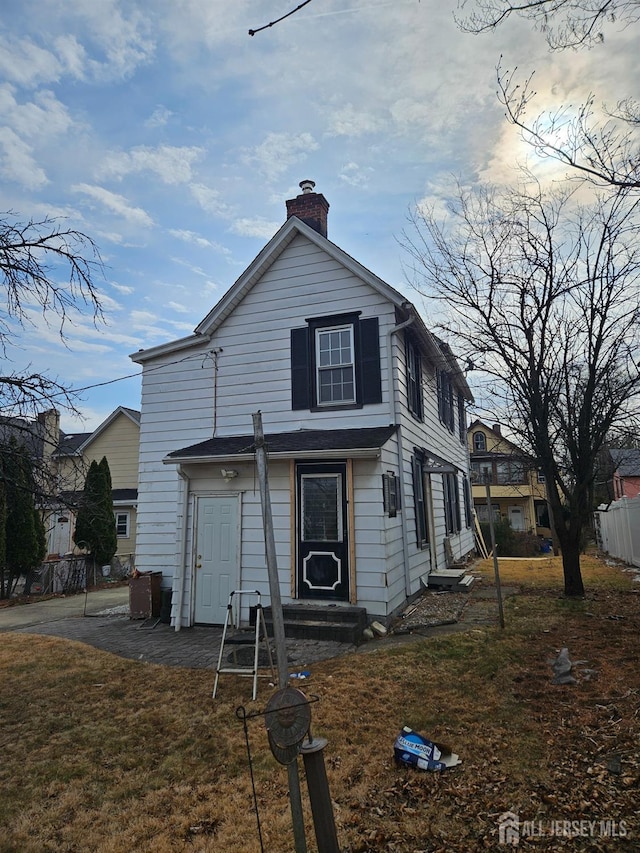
(518, 490)
(117, 438)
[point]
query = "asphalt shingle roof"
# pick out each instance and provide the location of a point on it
(300, 441)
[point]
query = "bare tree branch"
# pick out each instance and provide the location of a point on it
(602, 152)
(565, 23)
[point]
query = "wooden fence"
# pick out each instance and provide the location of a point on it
(618, 529)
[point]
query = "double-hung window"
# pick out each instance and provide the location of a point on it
(335, 363)
(451, 503)
(419, 501)
(335, 366)
(122, 525)
(445, 400)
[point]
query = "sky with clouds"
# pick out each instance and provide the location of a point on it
(170, 136)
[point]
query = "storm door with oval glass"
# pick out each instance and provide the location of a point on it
(323, 570)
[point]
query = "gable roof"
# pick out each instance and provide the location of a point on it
(306, 443)
(500, 439)
(76, 443)
(265, 258)
(626, 461)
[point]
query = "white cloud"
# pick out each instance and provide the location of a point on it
(347, 121)
(159, 117)
(17, 162)
(196, 240)
(354, 175)
(122, 288)
(262, 228)
(116, 204)
(24, 63)
(72, 55)
(278, 152)
(171, 164)
(123, 38)
(210, 200)
(177, 306)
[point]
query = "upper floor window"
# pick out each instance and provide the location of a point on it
(479, 442)
(335, 377)
(414, 379)
(445, 400)
(462, 420)
(335, 363)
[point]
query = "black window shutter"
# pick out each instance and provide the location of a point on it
(300, 379)
(371, 382)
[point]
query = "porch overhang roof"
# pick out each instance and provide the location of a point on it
(300, 444)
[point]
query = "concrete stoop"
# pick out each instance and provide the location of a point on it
(342, 624)
(452, 580)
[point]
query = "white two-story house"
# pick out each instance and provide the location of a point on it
(364, 416)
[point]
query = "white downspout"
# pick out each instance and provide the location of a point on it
(392, 372)
(182, 544)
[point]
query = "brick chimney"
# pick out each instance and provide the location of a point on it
(310, 207)
(497, 429)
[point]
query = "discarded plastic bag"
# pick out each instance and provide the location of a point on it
(415, 750)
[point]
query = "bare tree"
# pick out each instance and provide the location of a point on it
(50, 267)
(542, 296)
(601, 146)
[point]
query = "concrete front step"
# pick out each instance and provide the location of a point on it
(321, 622)
(453, 580)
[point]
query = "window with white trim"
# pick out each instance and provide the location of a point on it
(122, 525)
(335, 366)
(479, 442)
(335, 363)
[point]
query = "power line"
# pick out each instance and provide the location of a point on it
(277, 21)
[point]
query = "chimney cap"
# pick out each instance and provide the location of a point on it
(307, 186)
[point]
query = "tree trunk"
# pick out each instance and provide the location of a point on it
(573, 585)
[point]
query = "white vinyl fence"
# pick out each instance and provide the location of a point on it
(618, 529)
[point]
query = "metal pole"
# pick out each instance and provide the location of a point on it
(496, 571)
(278, 620)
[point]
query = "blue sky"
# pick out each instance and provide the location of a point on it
(172, 138)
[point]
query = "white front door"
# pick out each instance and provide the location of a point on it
(216, 558)
(516, 517)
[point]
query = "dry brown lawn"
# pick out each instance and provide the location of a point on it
(102, 754)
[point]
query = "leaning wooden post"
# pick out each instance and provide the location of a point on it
(278, 620)
(496, 570)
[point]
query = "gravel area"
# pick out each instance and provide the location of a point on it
(431, 609)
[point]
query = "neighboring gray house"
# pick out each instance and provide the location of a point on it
(364, 416)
